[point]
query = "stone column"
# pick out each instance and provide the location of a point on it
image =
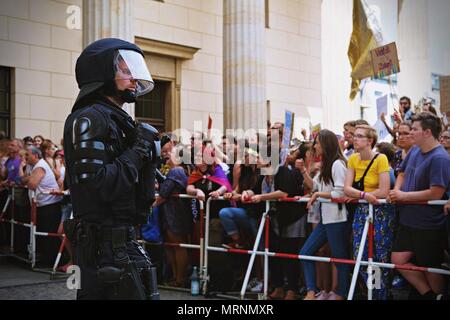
(108, 19)
(244, 64)
(414, 50)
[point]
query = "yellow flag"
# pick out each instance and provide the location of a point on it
(361, 42)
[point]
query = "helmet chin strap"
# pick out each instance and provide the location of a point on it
(127, 96)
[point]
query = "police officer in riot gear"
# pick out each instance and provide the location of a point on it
(110, 163)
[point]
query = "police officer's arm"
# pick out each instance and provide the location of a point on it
(111, 180)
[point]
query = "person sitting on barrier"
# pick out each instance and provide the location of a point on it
(240, 222)
(287, 226)
(368, 179)
(424, 176)
(245, 215)
(207, 180)
(176, 218)
(42, 180)
(333, 217)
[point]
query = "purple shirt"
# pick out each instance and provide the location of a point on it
(423, 171)
(12, 166)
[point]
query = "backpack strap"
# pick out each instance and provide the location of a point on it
(368, 167)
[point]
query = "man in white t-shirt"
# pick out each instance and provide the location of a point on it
(42, 180)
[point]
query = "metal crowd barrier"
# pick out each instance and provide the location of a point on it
(200, 246)
(265, 220)
(33, 232)
(205, 248)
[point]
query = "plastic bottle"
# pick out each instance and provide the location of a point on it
(195, 283)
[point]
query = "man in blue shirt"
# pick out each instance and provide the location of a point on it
(424, 176)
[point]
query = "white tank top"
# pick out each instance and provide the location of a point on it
(47, 184)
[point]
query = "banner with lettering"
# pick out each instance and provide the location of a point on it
(385, 60)
(287, 135)
(444, 83)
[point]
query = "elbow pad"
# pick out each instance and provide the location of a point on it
(89, 150)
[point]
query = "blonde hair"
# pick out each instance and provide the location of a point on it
(370, 132)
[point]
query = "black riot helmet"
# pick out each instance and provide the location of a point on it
(104, 61)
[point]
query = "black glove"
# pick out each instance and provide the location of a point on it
(146, 136)
(159, 176)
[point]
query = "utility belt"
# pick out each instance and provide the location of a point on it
(106, 248)
(77, 230)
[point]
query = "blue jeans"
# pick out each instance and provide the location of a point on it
(233, 218)
(337, 236)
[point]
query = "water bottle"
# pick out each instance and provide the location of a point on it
(195, 283)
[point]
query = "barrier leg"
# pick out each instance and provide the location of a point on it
(252, 257)
(60, 251)
(202, 240)
(206, 245)
(33, 232)
(266, 255)
(358, 260)
(5, 207)
(12, 222)
(370, 255)
(30, 245)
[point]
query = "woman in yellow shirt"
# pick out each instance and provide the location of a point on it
(374, 185)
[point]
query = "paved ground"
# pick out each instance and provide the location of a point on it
(18, 282)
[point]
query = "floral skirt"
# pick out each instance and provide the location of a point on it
(384, 227)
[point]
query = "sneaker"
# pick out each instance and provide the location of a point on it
(259, 286)
(446, 265)
(253, 282)
(310, 296)
(232, 245)
(322, 295)
(277, 294)
(291, 295)
(398, 282)
(332, 296)
(64, 268)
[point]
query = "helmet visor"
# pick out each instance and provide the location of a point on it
(130, 65)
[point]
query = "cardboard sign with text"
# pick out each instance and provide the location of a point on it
(287, 135)
(385, 60)
(445, 93)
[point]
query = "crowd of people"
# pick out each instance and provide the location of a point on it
(35, 165)
(414, 167)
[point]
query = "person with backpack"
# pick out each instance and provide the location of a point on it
(287, 226)
(368, 179)
(176, 218)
